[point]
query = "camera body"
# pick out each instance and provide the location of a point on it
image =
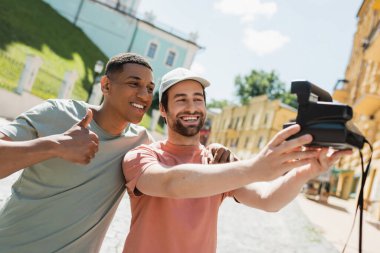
(327, 121)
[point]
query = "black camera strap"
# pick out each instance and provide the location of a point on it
(360, 203)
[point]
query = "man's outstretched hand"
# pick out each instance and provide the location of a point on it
(325, 159)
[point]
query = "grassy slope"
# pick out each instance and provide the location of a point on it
(33, 27)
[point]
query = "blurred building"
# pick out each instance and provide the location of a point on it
(205, 132)
(115, 26)
(360, 88)
(246, 129)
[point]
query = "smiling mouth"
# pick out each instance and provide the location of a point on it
(138, 106)
(190, 119)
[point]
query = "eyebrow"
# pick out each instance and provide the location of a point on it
(139, 79)
(184, 95)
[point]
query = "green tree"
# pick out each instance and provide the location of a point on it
(155, 103)
(214, 103)
(259, 83)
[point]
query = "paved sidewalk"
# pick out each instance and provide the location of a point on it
(12, 104)
(334, 220)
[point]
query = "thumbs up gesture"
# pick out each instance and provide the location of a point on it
(78, 144)
(86, 120)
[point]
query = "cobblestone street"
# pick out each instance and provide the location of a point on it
(241, 229)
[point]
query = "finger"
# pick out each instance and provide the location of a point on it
(85, 160)
(323, 157)
(299, 155)
(233, 158)
(225, 157)
(96, 147)
(339, 154)
(296, 164)
(281, 136)
(209, 158)
(311, 148)
(88, 159)
(218, 154)
(213, 147)
(94, 137)
(298, 142)
(299, 149)
(86, 120)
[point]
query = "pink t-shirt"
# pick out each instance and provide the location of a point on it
(165, 225)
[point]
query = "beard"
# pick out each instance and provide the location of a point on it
(188, 131)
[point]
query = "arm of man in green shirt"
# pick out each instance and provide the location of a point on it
(77, 145)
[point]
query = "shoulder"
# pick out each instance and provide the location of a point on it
(139, 158)
(144, 150)
(142, 132)
(136, 129)
(69, 106)
(154, 147)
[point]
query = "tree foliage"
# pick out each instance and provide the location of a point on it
(258, 83)
(214, 103)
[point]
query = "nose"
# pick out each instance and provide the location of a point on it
(143, 94)
(191, 107)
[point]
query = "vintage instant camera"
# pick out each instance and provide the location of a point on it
(327, 121)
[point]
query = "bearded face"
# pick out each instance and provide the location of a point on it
(186, 124)
(186, 108)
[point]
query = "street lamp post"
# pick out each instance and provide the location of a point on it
(98, 68)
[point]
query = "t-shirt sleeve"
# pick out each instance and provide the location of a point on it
(24, 127)
(135, 163)
(150, 137)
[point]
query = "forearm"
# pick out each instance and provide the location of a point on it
(20, 154)
(272, 196)
(196, 180)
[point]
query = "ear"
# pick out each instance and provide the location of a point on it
(162, 111)
(105, 84)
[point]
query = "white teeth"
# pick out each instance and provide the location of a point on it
(137, 105)
(190, 118)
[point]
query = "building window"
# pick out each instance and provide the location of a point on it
(170, 59)
(152, 50)
(246, 142)
(237, 123)
(252, 120)
(260, 142)
(230, 124)
(234, 143)
(266, 118)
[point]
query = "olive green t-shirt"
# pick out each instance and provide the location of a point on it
(56, 205)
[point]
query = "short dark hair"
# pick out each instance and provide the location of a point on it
(164, 98)
(115, 64)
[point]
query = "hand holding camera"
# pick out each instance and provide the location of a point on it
(327, 121)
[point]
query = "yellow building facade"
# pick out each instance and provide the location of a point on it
(246, 129)
(361, 90)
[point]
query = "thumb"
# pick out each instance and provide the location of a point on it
(86, 120)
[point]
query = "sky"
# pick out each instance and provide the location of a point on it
(298, 39)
